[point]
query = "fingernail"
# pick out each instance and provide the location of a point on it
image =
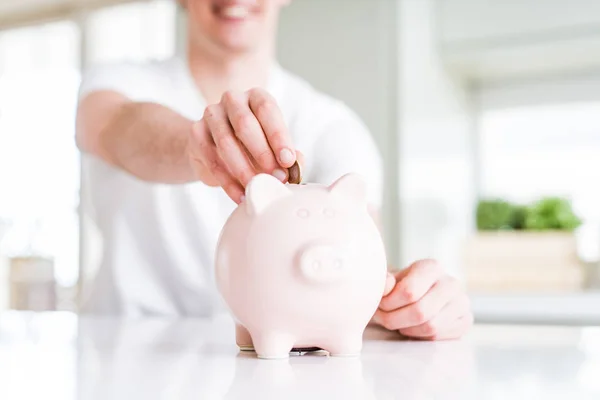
(280, 174)
(286, 156)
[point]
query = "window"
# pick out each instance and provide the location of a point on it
(528, 154)
(39, 162)
(133, 32)
(550, 150)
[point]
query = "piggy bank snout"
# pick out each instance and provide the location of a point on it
(322, 262)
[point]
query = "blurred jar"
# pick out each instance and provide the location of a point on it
(31, 278)
(32, 284)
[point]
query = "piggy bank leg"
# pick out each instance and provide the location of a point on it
(243, 338)
(272, 345)
(349, 345)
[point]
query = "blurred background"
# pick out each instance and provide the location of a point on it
(487, 114)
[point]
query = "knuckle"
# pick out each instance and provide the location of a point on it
(210, 111)
(430, 329)
(224, 142)
(419, 314)
(277, 138)
(244, 123)
(228, 97)
(255, 92)
(266, 159)
(408, 294)
(264, 106)
(213, 165)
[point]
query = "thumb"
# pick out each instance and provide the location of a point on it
(389, 284)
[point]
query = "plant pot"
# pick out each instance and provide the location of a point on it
(523, 261)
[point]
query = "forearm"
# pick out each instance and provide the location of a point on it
(147, 140)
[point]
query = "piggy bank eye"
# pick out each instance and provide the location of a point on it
(328, 212)
(303, 213)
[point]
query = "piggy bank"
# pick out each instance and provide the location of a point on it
(301, 266)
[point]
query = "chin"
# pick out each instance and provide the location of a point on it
(237, 45)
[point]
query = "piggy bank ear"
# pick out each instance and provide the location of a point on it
(351, 185)
(262, 191)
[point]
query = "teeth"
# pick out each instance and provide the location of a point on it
(235, 11)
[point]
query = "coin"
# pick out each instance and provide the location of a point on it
(295, 173)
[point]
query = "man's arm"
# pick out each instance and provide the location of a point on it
(145, 139)
(240, 136)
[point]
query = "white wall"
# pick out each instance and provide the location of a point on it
(436, 144)
(347, 49)
(380, 56)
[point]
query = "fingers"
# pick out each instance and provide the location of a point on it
(418, 313)
(249, 132)
(449, 323)
(207, 160)
(198, 135)
(228, 147)
(271, 120)
(242, 135)
(389, 284)
(413, 283)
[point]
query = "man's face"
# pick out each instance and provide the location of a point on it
(233, 25)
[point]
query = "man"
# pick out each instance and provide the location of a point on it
(171, 146)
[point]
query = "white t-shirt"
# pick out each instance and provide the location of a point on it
(159, 239)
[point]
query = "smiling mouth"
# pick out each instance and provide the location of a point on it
(236, 12)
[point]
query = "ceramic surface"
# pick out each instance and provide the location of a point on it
(302, 266)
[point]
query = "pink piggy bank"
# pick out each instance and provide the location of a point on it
(301, 266)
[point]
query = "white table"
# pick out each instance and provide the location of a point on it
(61, 356)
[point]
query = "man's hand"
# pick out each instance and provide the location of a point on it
(425, 303)
(241, 136)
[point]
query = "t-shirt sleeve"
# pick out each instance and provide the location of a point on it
(344, 145)
(130, 80)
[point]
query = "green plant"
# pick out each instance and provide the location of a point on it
(519, 216)
(495, 215)
(550, 213)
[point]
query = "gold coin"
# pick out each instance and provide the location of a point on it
(295, 173)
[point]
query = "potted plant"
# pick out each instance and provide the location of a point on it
(524, 247)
